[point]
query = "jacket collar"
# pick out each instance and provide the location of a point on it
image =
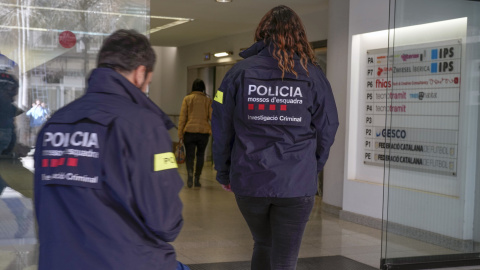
(108, 81)
(261, 48)
(254, 49)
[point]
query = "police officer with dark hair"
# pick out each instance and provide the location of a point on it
(274, 120)
(106, 184)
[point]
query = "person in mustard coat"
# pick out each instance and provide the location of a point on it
(194, 129)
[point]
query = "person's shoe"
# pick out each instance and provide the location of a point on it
(189, 182)
(197, 182)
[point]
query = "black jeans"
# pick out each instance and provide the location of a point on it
(195, 142)
(277, 226)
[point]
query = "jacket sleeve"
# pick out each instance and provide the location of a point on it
(324, 119)
(182, 119)
(156, 184)
(29, 112)
(223, 131)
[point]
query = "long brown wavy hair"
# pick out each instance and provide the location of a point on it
(283, 27)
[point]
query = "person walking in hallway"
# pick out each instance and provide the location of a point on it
(194, 129)
(274, 121)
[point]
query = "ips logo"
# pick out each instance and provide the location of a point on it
(443, 53)
(441, 67)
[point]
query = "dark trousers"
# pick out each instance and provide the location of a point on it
(277, 226)
(195, 142)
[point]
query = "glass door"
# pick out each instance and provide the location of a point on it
(47, 49)
(431, 146)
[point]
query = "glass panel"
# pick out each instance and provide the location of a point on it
(431, 195)
(50, 46)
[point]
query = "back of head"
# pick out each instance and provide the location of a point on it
(282, 27)
(198, 85)
(125, 50)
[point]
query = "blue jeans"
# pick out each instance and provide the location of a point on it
(277, 226)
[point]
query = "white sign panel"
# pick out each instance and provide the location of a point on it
(416, 94)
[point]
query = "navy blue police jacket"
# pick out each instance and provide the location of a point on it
(106, 184)
(272, 135)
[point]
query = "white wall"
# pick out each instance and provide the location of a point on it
(162, 88)
(338, 39)
(316, 25)
(361, 197)
(347, 18)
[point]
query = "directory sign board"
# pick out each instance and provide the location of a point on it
(412, 100)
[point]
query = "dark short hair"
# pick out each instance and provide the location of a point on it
(126, 50)
(198, 85)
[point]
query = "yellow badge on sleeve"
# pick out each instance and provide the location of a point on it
(219, 97)
(164, 161)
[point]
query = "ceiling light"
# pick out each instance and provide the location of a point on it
(222, 54)
(224, 1)
(168, 25)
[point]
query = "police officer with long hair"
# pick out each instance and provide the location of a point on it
(274, 121)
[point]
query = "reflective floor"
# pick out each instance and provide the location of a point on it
(214, 231)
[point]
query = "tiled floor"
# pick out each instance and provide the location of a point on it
(215, 231)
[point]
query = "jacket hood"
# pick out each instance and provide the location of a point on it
(254, 49)
(261, 48)
(108, 81)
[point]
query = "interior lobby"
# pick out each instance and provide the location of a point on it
(401, 187)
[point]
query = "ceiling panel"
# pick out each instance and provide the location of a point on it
(213, 20)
